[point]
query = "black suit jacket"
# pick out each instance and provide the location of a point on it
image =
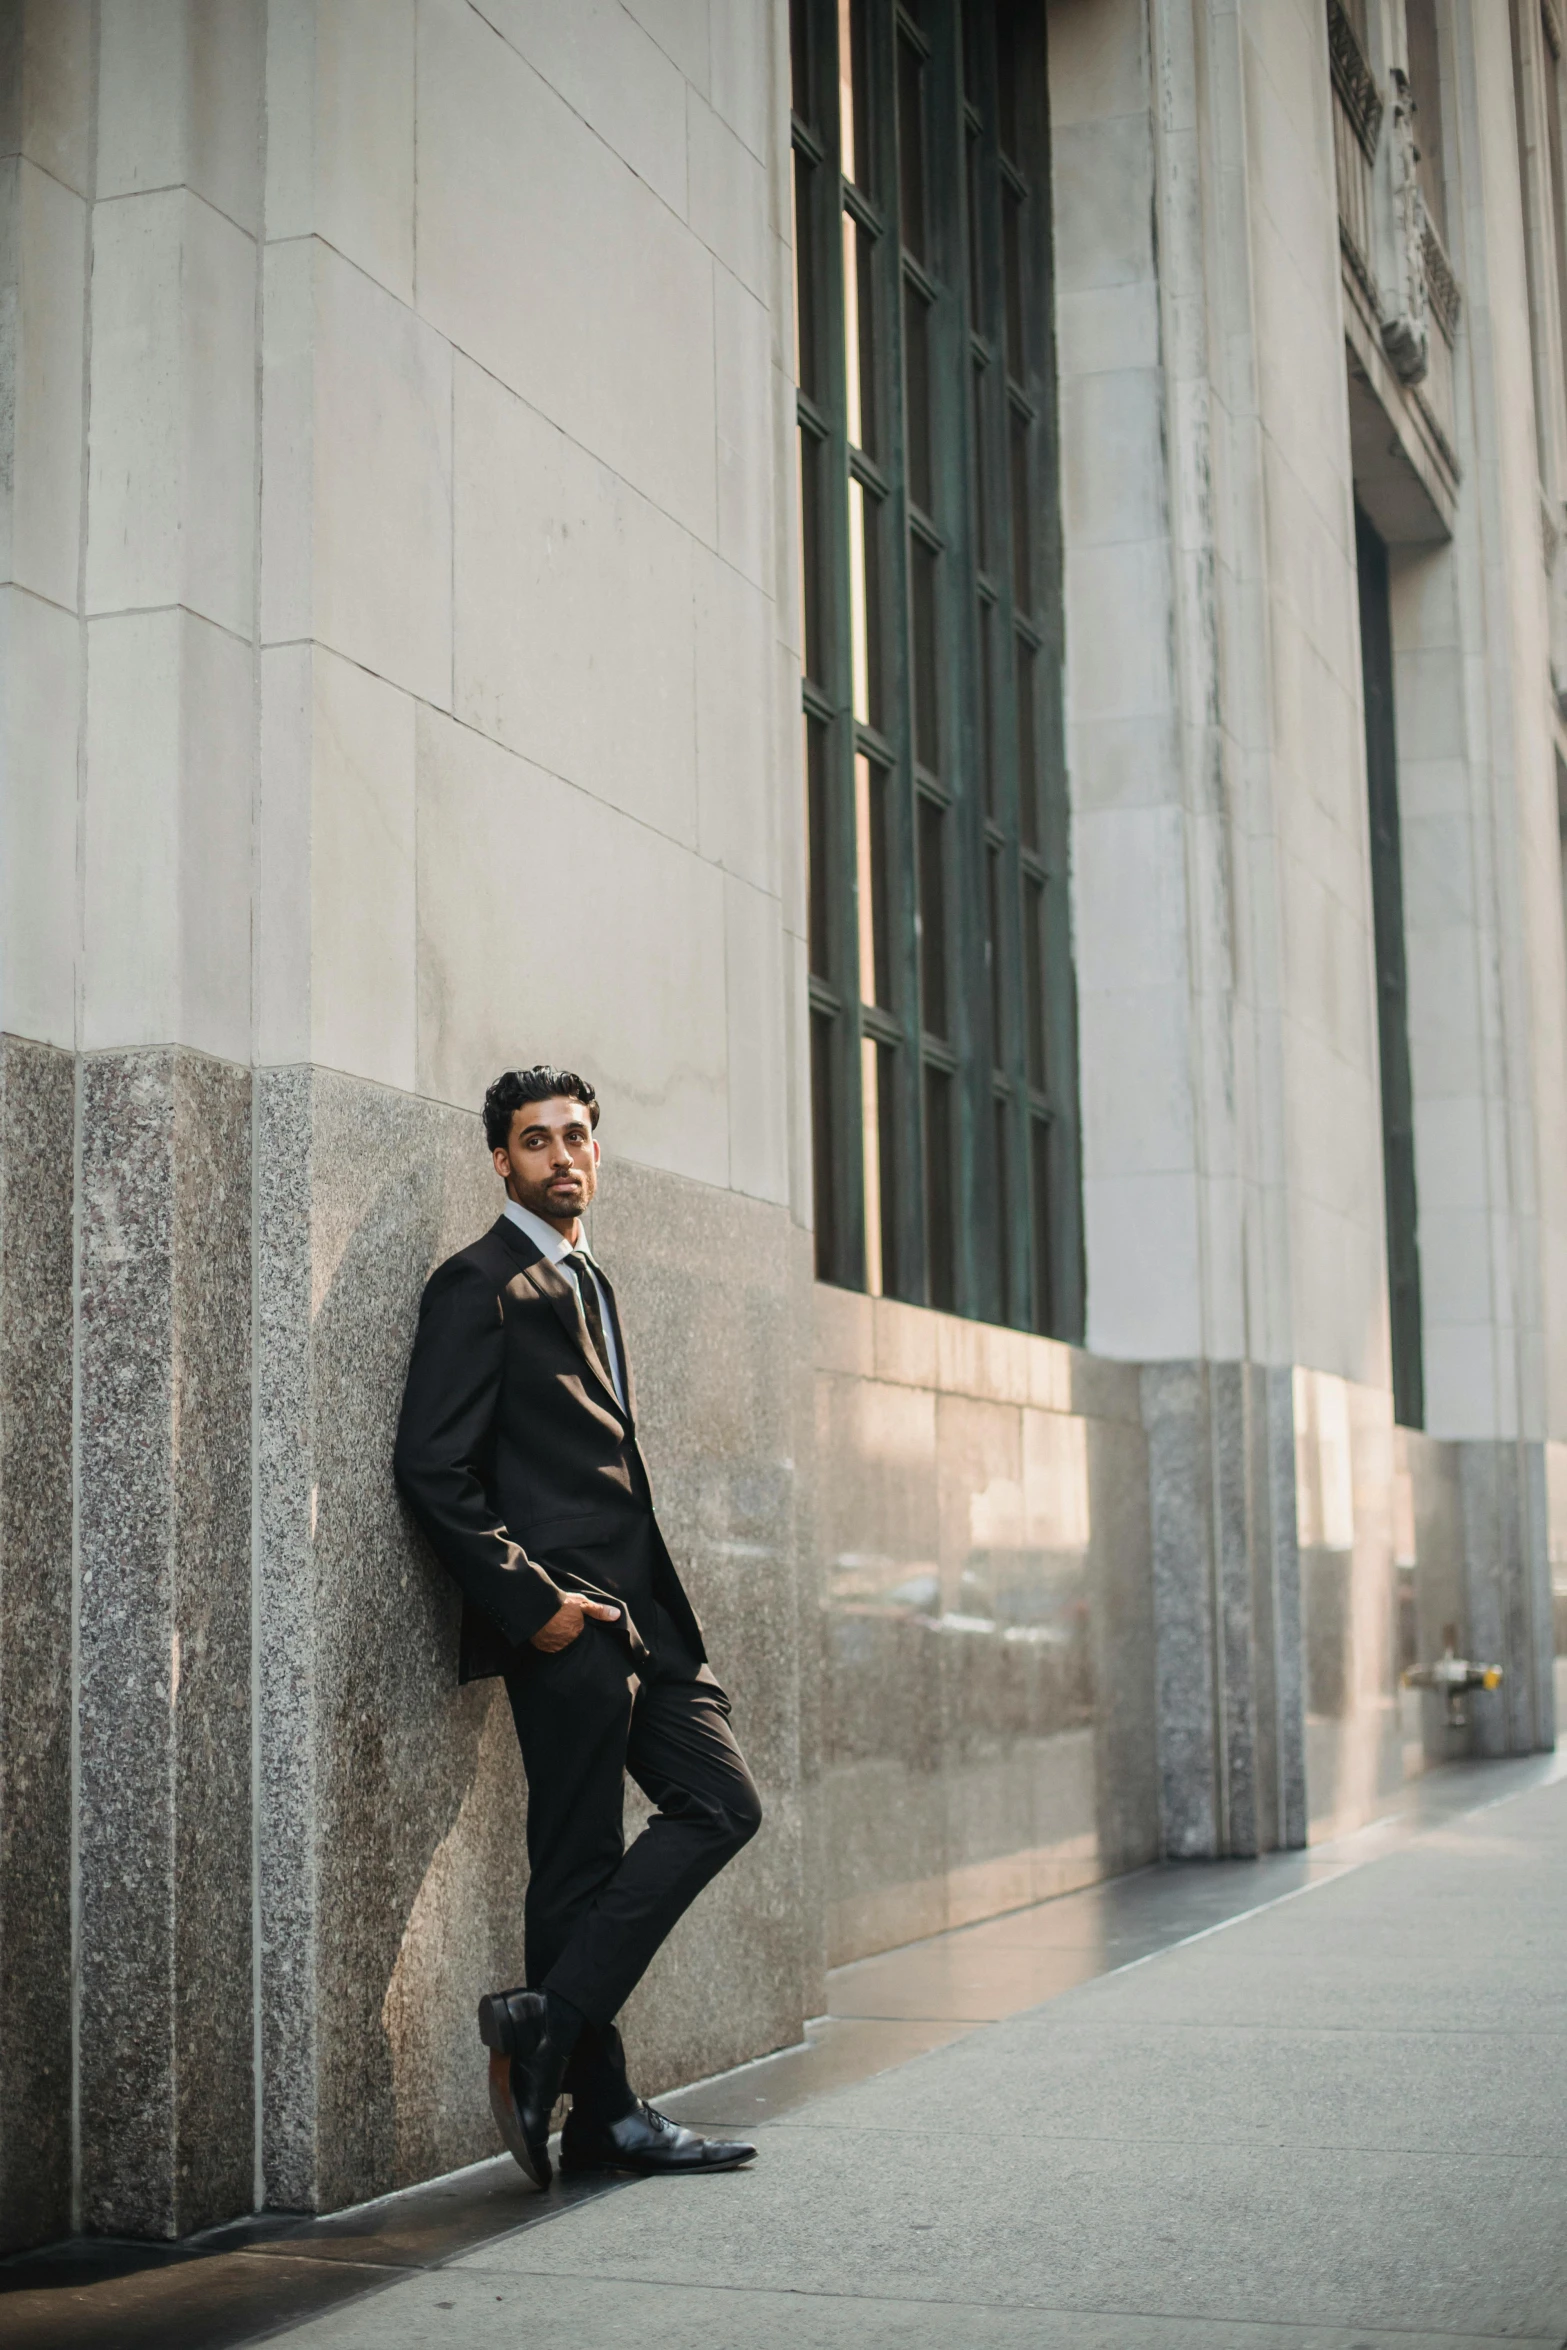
(514, 1450)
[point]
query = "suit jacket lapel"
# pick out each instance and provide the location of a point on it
(551, 1283)
(620, 1341)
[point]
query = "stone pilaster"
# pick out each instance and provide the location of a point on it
(165, 2050)
(1507, 1594)
(1278, 1565)
(37, 1101)
(1226, 1597)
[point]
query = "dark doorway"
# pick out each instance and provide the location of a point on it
(1387, 904)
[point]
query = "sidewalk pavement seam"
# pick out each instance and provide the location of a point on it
(888, 2293)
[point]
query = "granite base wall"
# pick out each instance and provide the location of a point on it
(37, 1124)
(164, 2037)
(997, 1619)
(985, 1652)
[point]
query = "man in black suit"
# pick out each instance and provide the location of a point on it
(517, 1450)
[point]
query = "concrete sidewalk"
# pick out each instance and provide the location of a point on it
(1315, 2100)
(1340, 2120)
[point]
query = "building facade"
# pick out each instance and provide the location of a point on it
(963, 602)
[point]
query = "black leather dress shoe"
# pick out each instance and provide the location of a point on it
(646, 2140)
(526, 2068)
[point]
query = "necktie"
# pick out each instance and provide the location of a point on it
(588, 1291)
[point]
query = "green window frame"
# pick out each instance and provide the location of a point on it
(942, 999)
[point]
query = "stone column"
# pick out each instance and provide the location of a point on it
(45, 148)
(36, 1129)
(164, 2035)
(1226, 1590)
(1177, 880)
(1507, 1595)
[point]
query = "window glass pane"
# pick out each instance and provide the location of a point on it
(922, 573)
(911, 149)
(1022, 528)
(887, 1118)
(1012, 265)
(819, 835)
(984, 531)
(812, 629)
(822, 1146)
(1033, 980)
(939, 1188)
(1042, 1220)
(916, 366)
(870, 1159)
(976, 294)
(859, 341)
(853, 94)
(1001, 1137)
(1008, 69)
(933, 918)
(987, 703)
(1027, 745)
(994, 948)
(870, 827)
(865, 610)
(806, 339)
(878, 1111)
(800, 58)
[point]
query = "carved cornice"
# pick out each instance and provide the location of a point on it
(1441, 285)
(1353, 78)
(1551, 15)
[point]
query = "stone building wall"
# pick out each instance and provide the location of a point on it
(399, 677)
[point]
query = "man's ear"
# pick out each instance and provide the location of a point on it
(502, 1163)
(595, 1150)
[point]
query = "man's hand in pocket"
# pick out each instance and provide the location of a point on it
(565, 1625)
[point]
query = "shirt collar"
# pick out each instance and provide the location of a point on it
(546, 1237)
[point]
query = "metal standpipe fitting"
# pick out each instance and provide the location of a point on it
(1455, 1676)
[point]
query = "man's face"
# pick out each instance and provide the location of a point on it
(551, 1162)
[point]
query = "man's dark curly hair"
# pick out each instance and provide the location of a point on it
(541, 1084)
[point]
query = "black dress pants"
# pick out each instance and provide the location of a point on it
(596, 1912)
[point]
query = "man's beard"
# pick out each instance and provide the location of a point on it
(544, 1201)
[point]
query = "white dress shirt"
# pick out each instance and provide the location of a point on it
(554, 1247)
